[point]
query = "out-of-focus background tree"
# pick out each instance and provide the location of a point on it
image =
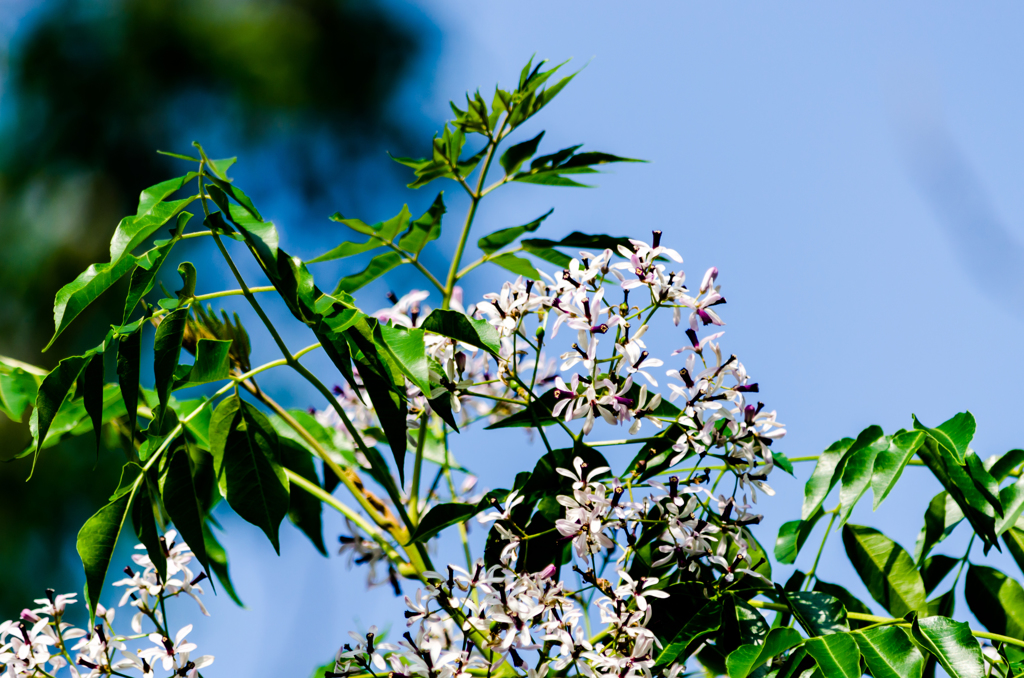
(303, 89)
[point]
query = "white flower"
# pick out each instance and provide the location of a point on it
(166, 651)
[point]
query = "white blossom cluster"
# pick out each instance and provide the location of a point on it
(534, 621)
(40, 644)
(606, 371)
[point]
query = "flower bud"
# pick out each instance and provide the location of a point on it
(709, 279)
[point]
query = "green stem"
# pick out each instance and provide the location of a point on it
(358, 520)
(474, 197)
(821, 548)
(417, 470)
(857, 616)
(232, 293)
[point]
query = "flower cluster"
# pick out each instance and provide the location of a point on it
(604, 371)
(480, 619)
(41, 643)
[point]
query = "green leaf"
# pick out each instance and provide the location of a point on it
(19, 384)
(237, 194)
(819, 613)
(52, 392)
(378, 266)
(181, 500)
(304, 510)
(550, 170)
(74, 297)
(849, 601)
(935, 569)
(886, 569)
(425, 229)
(1014, 540)
(383, 382)
(996, 600)
(406, 347)
(144, 525)
(441, 516)
(545, 249)
(91, 389)
(245, 453)
(219, 563)
(792, 536)
(459, 326)
(889, 652)
(707, 620)
(517, 265)
(941, 518)
(537, 413)
(837, 655)
(96, 542)
(495, 241)
(954, 435)
(952, 644)
(1003, 465)
(166, 350)
(827, 473)
(742, 661)
(1012, 500)
(221, 167)
(783, 462)
(420, 232)
(890, 462)
(333, 442)
(212, 363)
(347, 249)
(152, 213)
(129, 354)
(187, 271)
(983, 481)
(857, 475)
(955, 479)
(513, 158)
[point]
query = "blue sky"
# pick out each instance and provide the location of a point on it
(852, 169)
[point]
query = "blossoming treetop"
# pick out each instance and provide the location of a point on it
(643, 563)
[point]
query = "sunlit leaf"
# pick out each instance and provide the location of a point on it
(792, 536)
(74, 297)
(742, 661)
(827, 473)
(886, 569)
(152, 214)
(97, 539)
(837, 655)
(818, 613)
(889, 652)
(19, 383)
(891, 461)
(952, 644)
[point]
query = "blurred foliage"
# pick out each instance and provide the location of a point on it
(91, 91)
